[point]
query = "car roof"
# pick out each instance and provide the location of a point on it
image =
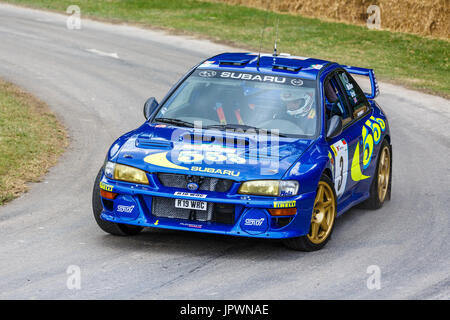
(281, 65)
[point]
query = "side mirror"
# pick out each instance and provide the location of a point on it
(149, 107)
(334, 126)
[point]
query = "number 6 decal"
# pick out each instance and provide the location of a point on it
(340, 150)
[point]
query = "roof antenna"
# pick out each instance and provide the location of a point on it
(275, 54)
(262, 34)
(276, 38)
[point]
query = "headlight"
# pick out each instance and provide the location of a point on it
(109, 169)
(122, 172)
(275, 188)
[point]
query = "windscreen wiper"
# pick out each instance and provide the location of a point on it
(176, 122)
(231, 126)
(239, 126)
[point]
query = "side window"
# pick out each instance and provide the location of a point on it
(181, 98)
(357, 100)
(335, 102)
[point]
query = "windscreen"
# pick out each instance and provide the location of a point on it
(230, 99)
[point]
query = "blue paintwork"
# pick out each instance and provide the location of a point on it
(299, 159)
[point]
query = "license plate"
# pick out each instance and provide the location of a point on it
(191, 204)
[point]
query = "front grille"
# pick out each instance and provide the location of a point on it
(205, 183)
(216, 212)
(165, 208)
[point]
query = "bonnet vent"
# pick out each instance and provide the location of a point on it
(233, 62)
(278, 66)
(153, 144)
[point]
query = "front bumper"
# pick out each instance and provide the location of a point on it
(133, 206)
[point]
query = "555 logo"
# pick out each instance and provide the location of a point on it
(371, 136)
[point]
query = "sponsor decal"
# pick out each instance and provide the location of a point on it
(357, 174)
(207, 73)
(377, 126)
(156, 222)
(312, 114)
(317, 66)
(206, 64)
(344, 77)
(297, 82)
(341, 168)
(106, 187)
(160, 159)
(125, 209)
(189, 194)
(284, 204)
(217, 171)
(252, 77)
(211, 154)
(370, 137)
(330, 157)
(331, 161)
(254, 222)
(257, 77)
(191, 225)
(334, 150)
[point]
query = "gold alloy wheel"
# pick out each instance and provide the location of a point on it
(323, 215)
(384, 169)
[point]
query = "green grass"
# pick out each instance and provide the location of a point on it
(414, 61)
(31, 139)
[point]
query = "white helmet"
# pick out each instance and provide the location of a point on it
(305, 102)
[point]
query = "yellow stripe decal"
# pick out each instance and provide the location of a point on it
(357, 175)
(160, 159)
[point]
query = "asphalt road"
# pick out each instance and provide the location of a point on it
(96, 80)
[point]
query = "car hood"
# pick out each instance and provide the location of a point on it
(164, 148)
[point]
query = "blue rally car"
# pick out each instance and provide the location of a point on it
(262, 146)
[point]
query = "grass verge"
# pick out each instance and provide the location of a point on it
(411, 60)
(31, 140)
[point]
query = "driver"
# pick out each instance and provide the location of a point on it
(299, 106)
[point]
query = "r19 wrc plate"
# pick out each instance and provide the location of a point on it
(191, 204)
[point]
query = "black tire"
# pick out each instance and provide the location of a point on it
(116, 229)
(374, 202)
(303, 243)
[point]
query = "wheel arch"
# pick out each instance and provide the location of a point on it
(327, 172)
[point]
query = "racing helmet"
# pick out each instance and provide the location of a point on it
(299, 103)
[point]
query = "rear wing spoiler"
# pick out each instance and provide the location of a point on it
(368, 73)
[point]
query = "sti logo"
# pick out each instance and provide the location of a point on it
(125, 209)
(254, 222)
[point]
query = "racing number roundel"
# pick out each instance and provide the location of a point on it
(340, 150)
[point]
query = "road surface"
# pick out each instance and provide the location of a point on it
(96, 80)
